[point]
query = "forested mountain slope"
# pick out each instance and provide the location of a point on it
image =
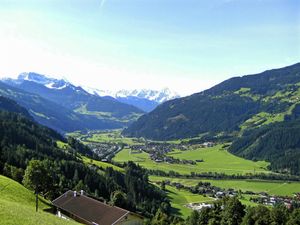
(278, 143)
(233, 105)
(11, 106)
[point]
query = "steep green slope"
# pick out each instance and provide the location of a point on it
(17, 206)
(235, 104)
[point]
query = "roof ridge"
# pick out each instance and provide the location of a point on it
(99, 202)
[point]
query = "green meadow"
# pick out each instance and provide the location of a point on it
(17, 206)
(216, 159)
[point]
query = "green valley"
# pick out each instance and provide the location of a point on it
(208, 161)
(140, 112)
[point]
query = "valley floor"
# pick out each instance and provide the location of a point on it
(212, 160)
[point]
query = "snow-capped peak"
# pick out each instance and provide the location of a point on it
(158, 96)
(37, 78)
(97, 92)
(48, 82)
(53, 85)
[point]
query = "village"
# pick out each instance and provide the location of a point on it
(203, 188)
(159, 152)
(215, 193)
(272, 200)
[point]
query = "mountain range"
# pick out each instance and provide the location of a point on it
(144, 99)
(65, 107)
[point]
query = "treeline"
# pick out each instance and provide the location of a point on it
(277, 143)
(223, 176)
(25, 145)
(81, 148)
(230, 211)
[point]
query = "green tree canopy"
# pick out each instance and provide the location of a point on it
(37, 177)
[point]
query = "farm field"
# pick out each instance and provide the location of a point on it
(270, 187)
(215, 159)
(17, 206)
(113, 136)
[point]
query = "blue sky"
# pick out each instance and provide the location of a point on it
(187, 45)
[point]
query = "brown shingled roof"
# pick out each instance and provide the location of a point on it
(89, 209)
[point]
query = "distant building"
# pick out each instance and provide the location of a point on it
(198, 206)
(89, 211)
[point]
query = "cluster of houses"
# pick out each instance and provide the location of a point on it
(203, 145)
(162, 148)
(157, 157)
(266, 199)
(204, 188)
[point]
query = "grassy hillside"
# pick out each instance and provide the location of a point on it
(17, 206)
(216, 159)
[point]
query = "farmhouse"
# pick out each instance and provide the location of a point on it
(89, 211)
